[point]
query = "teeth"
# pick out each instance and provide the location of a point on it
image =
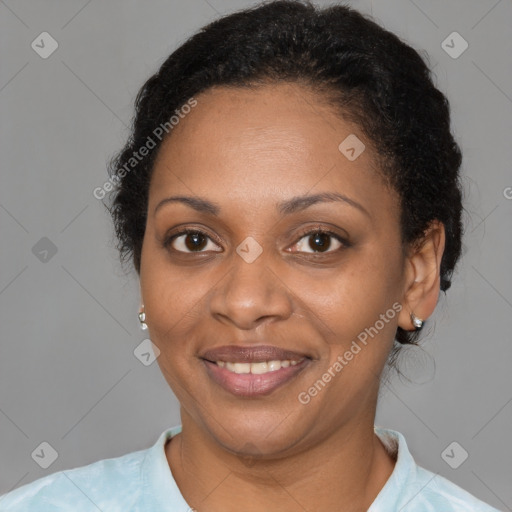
(242, 368)
(256, 368)
(273, 366)
(259, 368)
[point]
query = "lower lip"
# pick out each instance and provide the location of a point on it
(248, 384)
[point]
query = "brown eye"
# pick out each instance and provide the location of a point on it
(319, 242)
(191, 241)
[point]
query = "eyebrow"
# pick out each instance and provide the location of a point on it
(287, 207)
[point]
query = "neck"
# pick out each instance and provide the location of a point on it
(344, 472)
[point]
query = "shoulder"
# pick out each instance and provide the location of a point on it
(415, 489)
(439, 493)
(103, 485)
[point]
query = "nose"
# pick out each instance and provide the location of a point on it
(251, 294)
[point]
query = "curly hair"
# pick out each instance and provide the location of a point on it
(366, 72)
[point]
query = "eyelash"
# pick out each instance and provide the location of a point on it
(315, 231)
(320, 231)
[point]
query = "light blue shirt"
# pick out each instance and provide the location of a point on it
(141, 481)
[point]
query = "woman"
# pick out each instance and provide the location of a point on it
(290, 200)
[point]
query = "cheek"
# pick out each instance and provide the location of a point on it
(172, 303)
(174, 298)
(353, 296)
(360, 305)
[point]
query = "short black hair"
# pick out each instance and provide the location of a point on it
(370, 74)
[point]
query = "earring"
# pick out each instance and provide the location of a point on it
(417, 322)
(142, 318)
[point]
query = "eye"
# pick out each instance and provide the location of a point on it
(191, 240)
(320, 241)
(316, 241)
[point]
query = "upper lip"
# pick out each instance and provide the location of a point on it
(251, 354)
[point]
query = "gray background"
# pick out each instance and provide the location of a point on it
(68, 374)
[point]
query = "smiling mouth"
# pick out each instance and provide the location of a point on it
(252, 371)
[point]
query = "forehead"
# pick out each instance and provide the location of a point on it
(282, 119)
(264, 141)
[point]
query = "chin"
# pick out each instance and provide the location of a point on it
(256, 433)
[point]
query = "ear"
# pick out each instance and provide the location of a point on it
(423, 276)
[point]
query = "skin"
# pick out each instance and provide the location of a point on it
(247, 150)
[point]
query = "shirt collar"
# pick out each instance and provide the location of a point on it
(159, 489)
(403, 475)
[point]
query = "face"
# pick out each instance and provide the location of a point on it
(293, 255)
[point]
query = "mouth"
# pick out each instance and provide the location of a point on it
(253, 371)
